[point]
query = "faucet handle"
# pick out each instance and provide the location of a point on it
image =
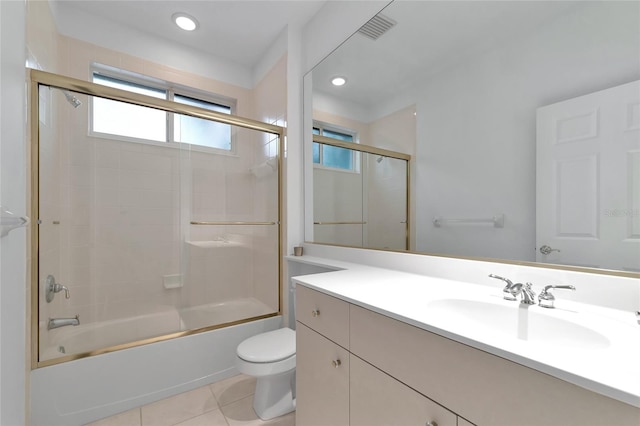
(506, 291)
(52, 287)
(546, 298)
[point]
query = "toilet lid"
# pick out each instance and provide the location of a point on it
(269, 347)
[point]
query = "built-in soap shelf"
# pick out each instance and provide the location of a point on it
(172, 281)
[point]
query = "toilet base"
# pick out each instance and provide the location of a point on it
(274, 395)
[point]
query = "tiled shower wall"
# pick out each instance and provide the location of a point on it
(124, 206)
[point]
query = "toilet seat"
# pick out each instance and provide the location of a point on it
(272, 346)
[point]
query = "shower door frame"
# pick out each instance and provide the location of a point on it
(61, 82)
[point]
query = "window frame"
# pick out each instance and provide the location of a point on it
(355, 155)
(171, 90)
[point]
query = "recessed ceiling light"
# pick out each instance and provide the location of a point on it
(184, 21)
(338, 81)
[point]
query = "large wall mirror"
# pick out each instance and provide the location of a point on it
(522, 119)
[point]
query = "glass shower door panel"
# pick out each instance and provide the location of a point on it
(109, 232)
(386, 201)
(143, 237)
(339, 212)
(232, 278)
(233, 236)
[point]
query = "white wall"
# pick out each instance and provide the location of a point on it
(476, 125)
(13, 248)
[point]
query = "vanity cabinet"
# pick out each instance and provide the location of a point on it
(322, 359)
(336, 388)
(326, 315)
(322, 377)
(377, 399)
(391, 372)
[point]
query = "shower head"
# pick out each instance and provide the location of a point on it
(379, 159)
(75, 102)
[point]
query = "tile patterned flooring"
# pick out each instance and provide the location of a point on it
(225, 403)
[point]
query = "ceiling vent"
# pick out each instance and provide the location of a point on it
(377, 26)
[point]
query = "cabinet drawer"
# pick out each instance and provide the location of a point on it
(325, 314)
(377, 399)
(479, 386)
(322, 385)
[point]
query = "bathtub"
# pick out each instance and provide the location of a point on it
(84, 390)
(221, 313)
(157, 321)
(97, 335)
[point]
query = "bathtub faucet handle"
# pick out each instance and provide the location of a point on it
(52, 287)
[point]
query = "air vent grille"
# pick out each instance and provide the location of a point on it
(377, 26)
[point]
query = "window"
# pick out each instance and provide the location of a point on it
(332, 156)
(136, 122)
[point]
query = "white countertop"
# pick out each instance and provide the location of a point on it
(611, 369)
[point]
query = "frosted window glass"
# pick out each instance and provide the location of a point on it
(197, 131)
(339, 158)
(123, 119)
(133, 121)
(331, 156)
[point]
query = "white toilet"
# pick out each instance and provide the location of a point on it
(271, 358)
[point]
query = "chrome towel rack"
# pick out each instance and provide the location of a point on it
(497, 221)
(339, 223)
(230, 223)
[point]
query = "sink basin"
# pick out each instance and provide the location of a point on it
(527, 323)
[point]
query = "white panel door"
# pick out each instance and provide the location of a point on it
(588, 180)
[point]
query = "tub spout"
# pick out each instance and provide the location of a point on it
(62, 322)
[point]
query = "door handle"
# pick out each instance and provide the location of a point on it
(545, 249)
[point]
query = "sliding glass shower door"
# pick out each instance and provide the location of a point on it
(143, 238)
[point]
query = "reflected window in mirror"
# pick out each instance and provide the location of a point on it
(334, 157)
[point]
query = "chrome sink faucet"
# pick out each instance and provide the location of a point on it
(527, 295)
(506, 291)
(511, 290)
(62, 322)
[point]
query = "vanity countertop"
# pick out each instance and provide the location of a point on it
(600, 352)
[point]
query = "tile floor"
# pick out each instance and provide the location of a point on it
(225, 403)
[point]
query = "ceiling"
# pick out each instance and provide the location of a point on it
(429, 37)
(239, 31)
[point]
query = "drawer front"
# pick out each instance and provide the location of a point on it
(463, 422)
(322, 385)
(327, 315)
(377, 399)
(481, 387)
